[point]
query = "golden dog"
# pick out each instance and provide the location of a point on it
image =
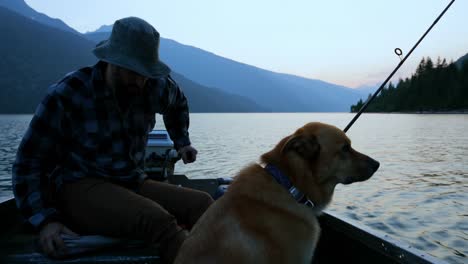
(262, 218)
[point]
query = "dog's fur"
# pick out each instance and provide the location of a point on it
(258, 221)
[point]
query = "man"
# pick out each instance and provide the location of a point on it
(88, 138)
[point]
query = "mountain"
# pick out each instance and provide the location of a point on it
(271, 91)
(211, 100)
(103, 28)
(35, 55)
(96, 36)
(20, 7)
(276, 91)
(462, 60)
(365, 90)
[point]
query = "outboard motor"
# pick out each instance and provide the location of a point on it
(160, 156)
(160, 160)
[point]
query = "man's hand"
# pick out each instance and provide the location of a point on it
(188, 153)
(51, 242)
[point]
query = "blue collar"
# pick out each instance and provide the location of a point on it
(284, 181)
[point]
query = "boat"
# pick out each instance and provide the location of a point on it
(341, 240)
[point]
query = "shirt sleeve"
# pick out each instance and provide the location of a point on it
(171, 103)
(35, 158)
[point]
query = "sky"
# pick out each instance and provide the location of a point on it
(346, 42)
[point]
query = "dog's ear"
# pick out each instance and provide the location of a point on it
(306, 146)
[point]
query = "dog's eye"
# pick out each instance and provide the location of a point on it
(346, 148)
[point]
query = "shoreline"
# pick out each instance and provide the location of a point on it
(453, 112)
(464, 111)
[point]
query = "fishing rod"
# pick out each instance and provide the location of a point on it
(399, 53)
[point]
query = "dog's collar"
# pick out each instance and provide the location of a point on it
(284, 181)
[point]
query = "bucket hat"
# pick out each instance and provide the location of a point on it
(133, 45)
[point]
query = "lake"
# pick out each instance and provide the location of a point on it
(418, 196)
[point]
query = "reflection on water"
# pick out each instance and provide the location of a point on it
(419, 195)
(12, 128)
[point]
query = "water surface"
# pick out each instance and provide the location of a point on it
(418, 196)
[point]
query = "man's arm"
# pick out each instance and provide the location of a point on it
(35, 158)
(174, 108)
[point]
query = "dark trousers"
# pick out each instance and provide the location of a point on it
(155, 213)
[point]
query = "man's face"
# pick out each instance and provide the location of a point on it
(125, 82)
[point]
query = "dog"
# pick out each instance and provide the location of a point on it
(269, 212)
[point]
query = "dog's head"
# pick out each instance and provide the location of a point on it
(319, 156)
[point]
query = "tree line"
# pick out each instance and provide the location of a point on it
(434, 87)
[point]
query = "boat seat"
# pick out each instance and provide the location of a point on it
(17, 242)
(19, 246)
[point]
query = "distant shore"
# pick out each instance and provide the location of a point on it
(463, 111)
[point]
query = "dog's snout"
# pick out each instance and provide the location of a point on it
(373, 164)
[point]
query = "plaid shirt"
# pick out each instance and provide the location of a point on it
(78, 131)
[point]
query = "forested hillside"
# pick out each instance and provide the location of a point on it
(434, 87)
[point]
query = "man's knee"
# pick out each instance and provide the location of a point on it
(151, 223)
(199, 205)
(204, 201)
